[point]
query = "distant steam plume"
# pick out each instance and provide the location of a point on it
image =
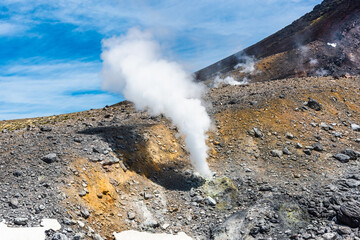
(133, 66)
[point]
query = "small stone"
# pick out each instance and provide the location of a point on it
(78, 140)
(318, 147)
(313, 104)
(297, 175)
(306, 236)
(198, 198)
(351, 153)
(329, 236)
(17, 173)
(298, 145)
(14, 203)
(286, 151)
(151, 223)
(82, 193)
(97, 149)
(20, 221)
(344, 230)
(59, 236)
(50, 158)
(276, 153)
(289, 135)
(69, 222)
(85, 212)
(97, 237)
(337, 134)
(258, 133)
(147, 195)
(45, 128)
(210, 201)
(165, 226)
(131, 215)
(324, 126)
(307, 151)
(355, 127)
(79, 236)
(342, 157)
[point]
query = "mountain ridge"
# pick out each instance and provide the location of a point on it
(330, 21)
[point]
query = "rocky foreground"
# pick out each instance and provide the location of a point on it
(285, 155)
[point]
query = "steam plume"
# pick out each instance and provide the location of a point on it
(133, 66)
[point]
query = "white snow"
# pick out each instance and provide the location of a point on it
(28, 233)
(332, 44)
(135, 235)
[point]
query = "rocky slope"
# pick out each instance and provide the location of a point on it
(285, 153)
(323, 42)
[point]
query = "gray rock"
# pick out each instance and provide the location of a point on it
(324, 126)
(78, 139)
(307, 151)
(84, 212)
(258, 133)
(313, 104)
(45, 128)
(79, 236)
(17, 173)
(342, 157)
(298, 146)
(59, 236)
(276, 153)
(210, 201)
(289, 135)
(355, 127)
(318, 147)
(147, 195)
(131, 215)
(82, 193)
(351, 153)
(329, 236)
(198, 198)
(50, 158)
(349, 214)
(68, 221)
(97, 149)
(14, 203)
(286, 151)
(151, 223)
(20, 221)
(97, 237)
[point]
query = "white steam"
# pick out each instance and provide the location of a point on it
(322, 72)
(133, 66)
(227, 80)
(247, 64)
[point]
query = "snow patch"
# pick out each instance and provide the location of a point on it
(28, 233)
(131, 234)
(332, 44)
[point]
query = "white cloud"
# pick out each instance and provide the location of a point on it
(10, 29)
(51, 88)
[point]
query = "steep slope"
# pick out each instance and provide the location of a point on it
(323, 42)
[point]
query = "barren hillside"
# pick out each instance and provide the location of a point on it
(273, 151)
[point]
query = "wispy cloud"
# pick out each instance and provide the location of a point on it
(11, 29)
(52, 88)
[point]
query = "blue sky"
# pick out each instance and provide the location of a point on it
(50, 50)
